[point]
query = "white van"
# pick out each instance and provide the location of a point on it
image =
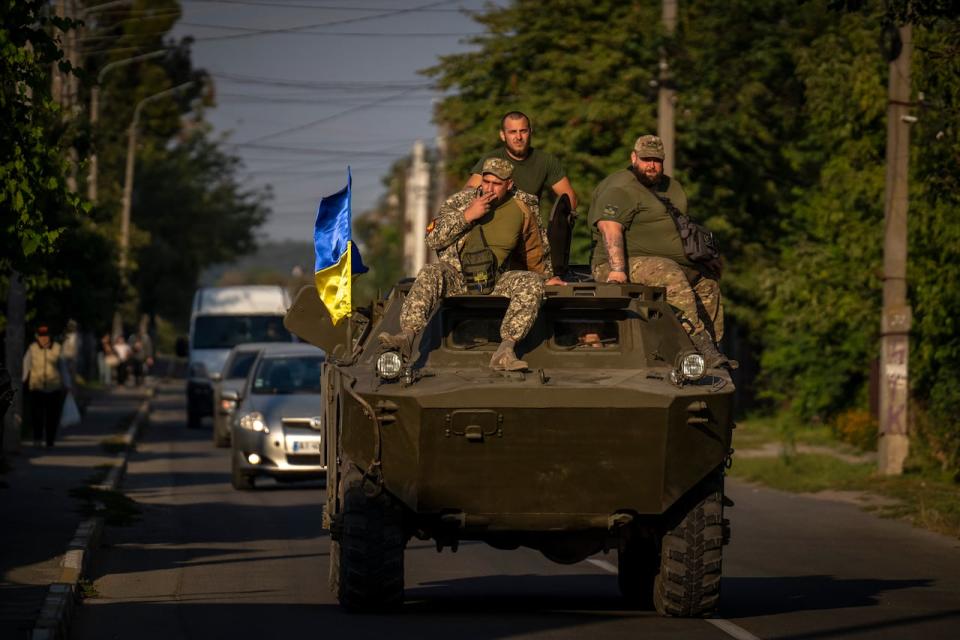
(223, 317)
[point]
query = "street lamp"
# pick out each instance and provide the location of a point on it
(95, 112)
(128, 178)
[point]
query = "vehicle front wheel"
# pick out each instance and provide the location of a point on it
(366, 564)
(688, 584)
(240, 480)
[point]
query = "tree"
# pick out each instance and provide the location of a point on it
(780, 146)
(33, 141)
(191, 208)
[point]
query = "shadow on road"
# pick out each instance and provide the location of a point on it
(751, 597)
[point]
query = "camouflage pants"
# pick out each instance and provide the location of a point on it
(436, 281)
(701, 308)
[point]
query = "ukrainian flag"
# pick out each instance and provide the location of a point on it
(337, 257)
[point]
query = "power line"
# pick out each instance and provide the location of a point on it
(308, 125)
(364, 34)
(332, 85)
(291, 5)
(324, 24)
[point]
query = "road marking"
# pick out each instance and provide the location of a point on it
(726, 626)
(603, 564)
(731, 629)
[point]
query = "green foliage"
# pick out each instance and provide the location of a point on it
(934, 266)
(379, 233)
(189, 204)
(781, 134)
(38, 208)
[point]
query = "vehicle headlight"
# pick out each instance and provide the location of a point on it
(254, 422)
(389, 365)
(688, 367)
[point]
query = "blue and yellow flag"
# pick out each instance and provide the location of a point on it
(337, 257)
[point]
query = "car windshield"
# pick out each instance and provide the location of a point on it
(288, 374)
(239, 367)
(225, 332)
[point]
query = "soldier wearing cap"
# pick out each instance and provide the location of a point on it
(635, 239)
(489, 242)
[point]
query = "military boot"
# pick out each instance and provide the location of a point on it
(505, 359)
(711, 354)
(402, 342)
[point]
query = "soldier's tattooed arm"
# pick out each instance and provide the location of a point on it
(613, 241)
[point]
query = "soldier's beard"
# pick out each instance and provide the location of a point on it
(646, 179)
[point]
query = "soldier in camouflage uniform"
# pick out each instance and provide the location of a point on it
(636, 240)
(522, 261)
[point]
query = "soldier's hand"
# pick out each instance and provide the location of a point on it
(479, 207)
(617, 276)
(555, 280)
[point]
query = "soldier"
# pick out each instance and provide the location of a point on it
(489, 242)
(635, 239)
(534, 169)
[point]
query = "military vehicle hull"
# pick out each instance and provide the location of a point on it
(597, 447)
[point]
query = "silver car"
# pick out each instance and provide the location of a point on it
(277, 429)
(231, 379)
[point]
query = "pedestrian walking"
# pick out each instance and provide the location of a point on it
(47, 380)
(122, 350)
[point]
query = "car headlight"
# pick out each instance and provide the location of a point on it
(688, 367)
(254, 422)
(389, 365)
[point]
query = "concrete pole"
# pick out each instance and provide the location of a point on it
(439, 186)
(128, 177)
(417, 203)
(92, 178)
(666, 95)
(894, 444)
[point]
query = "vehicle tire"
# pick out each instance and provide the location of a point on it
(366, 565)
(240, 480)
(637, 566)
(691, 554)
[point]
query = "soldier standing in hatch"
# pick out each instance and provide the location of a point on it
(533, 169)
(635, 239)
(489, 242)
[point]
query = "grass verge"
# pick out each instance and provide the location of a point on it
(924, 497)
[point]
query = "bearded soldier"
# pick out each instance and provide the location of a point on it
(634, 221)
(489, 243)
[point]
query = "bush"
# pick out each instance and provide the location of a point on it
(856, 427)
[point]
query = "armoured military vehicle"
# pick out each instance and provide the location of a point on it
(615, 439)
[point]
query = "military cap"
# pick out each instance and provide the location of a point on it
(649, 147)
(499, 167)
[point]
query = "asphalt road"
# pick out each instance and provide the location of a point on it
(205, 561)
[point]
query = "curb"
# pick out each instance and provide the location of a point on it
(53, 623)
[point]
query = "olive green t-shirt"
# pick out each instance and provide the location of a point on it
(502, 228)
(647, 227)
(533, 174)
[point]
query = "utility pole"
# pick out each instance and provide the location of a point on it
(128, 177)
(92, 178)
(666, 95)
(417, 201)
(894, 443)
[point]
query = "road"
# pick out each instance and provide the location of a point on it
(205, 561)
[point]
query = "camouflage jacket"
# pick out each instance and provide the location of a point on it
(447, 233)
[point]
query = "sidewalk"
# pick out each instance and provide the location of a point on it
(43, 536)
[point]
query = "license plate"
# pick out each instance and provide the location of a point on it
(303, 446)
